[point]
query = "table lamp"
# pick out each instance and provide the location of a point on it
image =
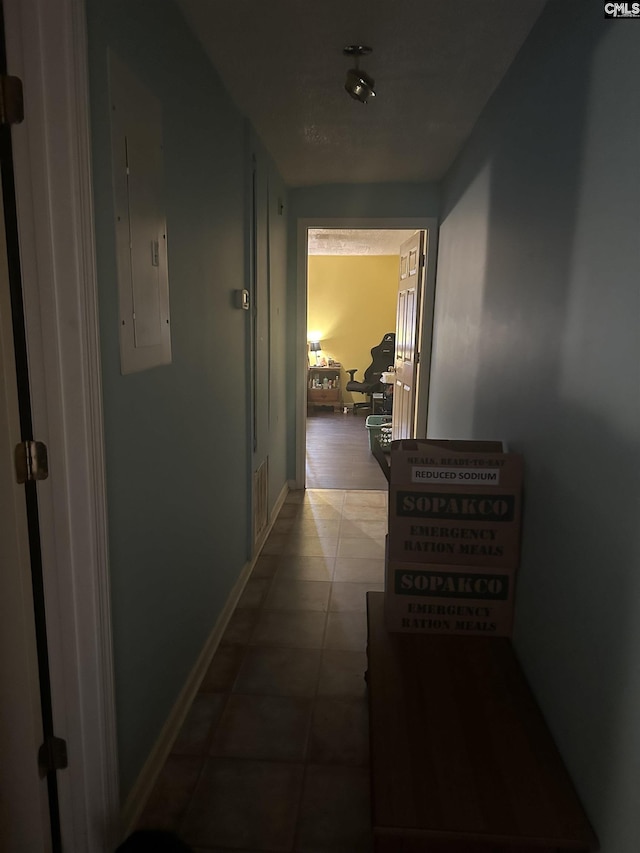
(315, 347)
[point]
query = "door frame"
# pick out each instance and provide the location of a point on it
(47, 49)
(27, 807)
(428, 224)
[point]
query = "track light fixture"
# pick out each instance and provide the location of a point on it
(358, 83)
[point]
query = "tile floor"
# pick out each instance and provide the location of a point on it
(274, 753)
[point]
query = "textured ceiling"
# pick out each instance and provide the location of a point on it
(435, 63)
(356, 241)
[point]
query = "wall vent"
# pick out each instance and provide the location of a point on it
(260, 500)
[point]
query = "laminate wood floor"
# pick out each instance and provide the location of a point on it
(338, 454)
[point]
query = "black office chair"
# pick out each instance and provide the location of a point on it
(383, 356)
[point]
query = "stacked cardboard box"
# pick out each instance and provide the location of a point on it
(454, 537)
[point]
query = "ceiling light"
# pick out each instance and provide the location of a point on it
(358, 83)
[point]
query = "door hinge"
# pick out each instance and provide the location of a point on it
(31, 461)
(11, 100)
(52, 755)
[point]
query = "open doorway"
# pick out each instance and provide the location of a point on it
(350, 296)
(352, 276)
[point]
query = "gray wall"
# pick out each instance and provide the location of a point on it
(364, 200)
(177, 437)
(537, 342)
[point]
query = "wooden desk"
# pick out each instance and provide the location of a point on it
(317, 395)
(461, 758)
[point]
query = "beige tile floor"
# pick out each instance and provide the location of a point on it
(274, 753)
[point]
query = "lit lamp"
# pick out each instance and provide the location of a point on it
(315, 347)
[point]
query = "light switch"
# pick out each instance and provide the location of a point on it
(241, 299)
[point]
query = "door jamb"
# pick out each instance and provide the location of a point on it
(425, 337)
(430, 225)
(47, 48)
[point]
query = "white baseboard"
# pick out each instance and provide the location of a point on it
(284, 491)
(148, 776)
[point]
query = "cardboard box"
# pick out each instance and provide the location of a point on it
(429, 598)
(456, 503)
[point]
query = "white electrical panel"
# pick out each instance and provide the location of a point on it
(141, 231)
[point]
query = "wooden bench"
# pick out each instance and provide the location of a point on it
(461, 758)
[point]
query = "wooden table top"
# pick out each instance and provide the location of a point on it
(459, 748)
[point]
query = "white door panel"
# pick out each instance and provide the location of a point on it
(24, 808)
(410, 284)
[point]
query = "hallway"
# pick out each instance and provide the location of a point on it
(534, 214)
(274, 752)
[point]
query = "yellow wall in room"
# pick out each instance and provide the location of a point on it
(352, 303)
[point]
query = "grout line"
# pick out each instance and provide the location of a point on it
(296, 828)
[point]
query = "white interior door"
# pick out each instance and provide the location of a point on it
(55, 228)
(24, 807)
(410, 284)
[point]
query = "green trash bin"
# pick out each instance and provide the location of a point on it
(374, 424)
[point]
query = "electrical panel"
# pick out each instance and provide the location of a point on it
(140, 221)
